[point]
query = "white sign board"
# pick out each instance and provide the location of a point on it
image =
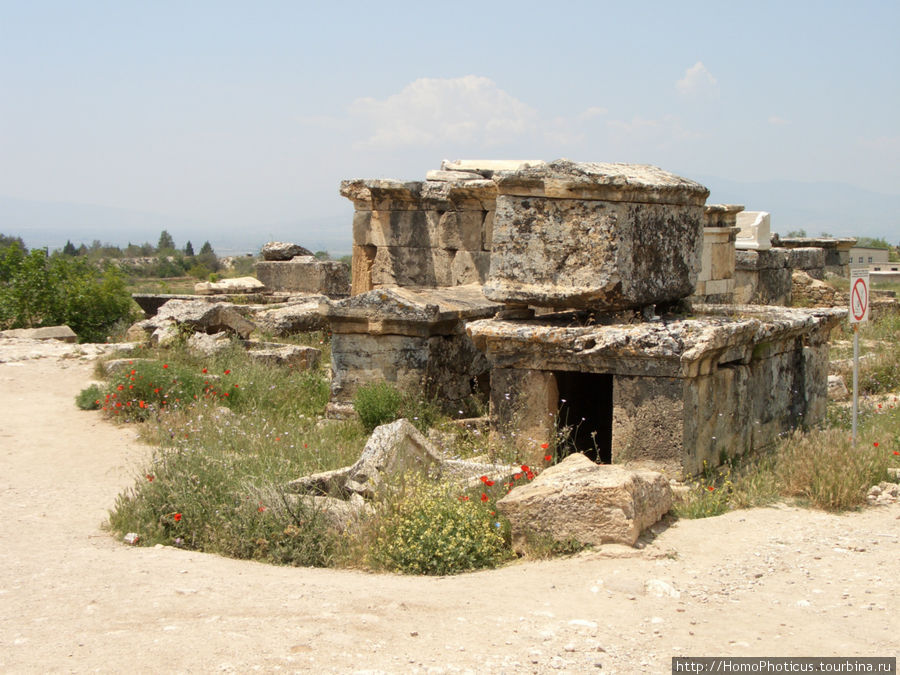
(859, 296)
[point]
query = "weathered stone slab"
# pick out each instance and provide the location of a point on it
(606, 236)
(298, 316)
(391, 450)
(236, 285)
(61, 333)
(488, 167)
(204, 317)
(451, 176)
(280, 250)
(587, 502)
(297, 357)
(756, 230)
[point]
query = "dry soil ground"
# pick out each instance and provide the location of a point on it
(775, 581)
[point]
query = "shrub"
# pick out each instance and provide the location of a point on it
(377, 403)
(90, 398)
(427, 527)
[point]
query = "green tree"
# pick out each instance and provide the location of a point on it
(69, 249)
(37, 290)
(207, 257)
(166, 243)
(796, 233)
(189, 249)
(6, 241)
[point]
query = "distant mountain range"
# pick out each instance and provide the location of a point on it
(836, 208)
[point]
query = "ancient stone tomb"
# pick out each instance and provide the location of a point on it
(566, 281)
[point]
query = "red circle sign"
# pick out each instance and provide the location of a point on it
(859, 299)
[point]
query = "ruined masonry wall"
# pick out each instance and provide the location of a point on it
(424, 234)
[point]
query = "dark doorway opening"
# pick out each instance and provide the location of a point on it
(586, 411)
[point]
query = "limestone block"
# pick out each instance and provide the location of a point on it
(291, 356)
(280, 250)
(461, 230)
(807, 291)
(362, 261)
(488, 230)
(298, 316)
(306, 274)
(392, 449)
(204, 317)
(721, 215)
(393, 228)
(586, 502)
(488, 167)
(810, 260)
(756, 230)
(523, 409)
(610, 236)
(837, 390)
(470, 267)
(648, 418)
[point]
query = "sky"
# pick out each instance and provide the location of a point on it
(242, 118)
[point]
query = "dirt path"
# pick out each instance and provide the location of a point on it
(779, 581)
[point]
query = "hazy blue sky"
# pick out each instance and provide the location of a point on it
(245, 114)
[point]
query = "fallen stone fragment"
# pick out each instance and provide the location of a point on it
(237, 285)
(587, 502)
(61, 333)
(280, 250)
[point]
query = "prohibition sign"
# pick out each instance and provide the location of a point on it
(859, 299)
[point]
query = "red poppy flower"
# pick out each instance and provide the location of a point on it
(150, 477)
(897, 452)
(544, 446)
(489, 483)
(165, 365)
(204, 371)
(529, 475)
(261, 508)
(711, 488)
(484, 479)
(141, 404)
(484, 497)
(227, 372)
(121, 387)
(525, 468)
(875, 444)
(548, 458)
(177, 517)
(133, 372)
(518, 476)
(464, 498)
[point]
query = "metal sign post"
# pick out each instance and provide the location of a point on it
(859, 313)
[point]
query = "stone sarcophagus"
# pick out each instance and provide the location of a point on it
(595, 236)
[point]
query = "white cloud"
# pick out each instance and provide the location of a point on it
(777, 121)
(430, 111)
(593, 111)
(697, 81)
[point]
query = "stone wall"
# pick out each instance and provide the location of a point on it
(412, 338)
(430, 233)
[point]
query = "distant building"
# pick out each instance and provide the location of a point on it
(863, 256)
